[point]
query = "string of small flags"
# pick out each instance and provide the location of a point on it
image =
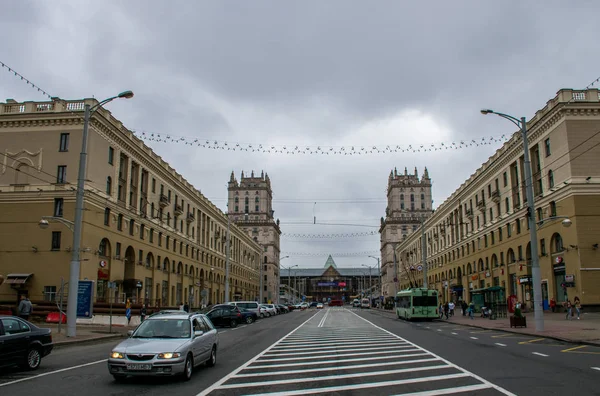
(319, 150)
(330, 236)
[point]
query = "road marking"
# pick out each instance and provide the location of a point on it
(448, 391)
(53, 372)
(360, 359)
(530, 341)
(480, 331)
(574, 348)
(499, 344)
(490, 384)
(427, 327)
(249, 362)
(354, 349)
(474, 338)
(454, 333)
(439, 329)
(504, 335)
(596, 368)
(222, 331)
(322, 322)
(540, 354)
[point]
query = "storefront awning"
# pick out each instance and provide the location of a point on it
(17, 279)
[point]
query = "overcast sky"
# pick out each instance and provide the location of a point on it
(308, 74)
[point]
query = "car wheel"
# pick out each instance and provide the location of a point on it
(119, 377)
(249, 319)
(233, 323)
(34, 358)
(262, 315)
(213, 357)
(188, 368)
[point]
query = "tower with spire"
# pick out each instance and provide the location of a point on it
(409, 201)
(250, 207)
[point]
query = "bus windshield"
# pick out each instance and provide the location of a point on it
(424, 301)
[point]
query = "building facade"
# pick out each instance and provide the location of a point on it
(146, 230)
(328, 283)
(409, 202)
(250, 207)
(478, 240)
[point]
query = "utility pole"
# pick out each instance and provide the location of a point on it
(227, 262)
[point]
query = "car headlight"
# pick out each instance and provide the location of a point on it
(169, 355)
(116, 355)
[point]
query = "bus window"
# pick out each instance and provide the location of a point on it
(425, 301)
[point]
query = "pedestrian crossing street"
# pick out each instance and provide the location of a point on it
(338, 352)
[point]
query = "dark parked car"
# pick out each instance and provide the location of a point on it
(22, 343)
(225, 315)
(248, 316)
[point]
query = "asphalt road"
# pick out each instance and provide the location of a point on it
(85, 372)
(343, 352)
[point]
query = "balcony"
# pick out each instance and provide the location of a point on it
(178, 210)
(481, 205)
(164, 201)
(469, 213)
(190, 218)
(496, 196)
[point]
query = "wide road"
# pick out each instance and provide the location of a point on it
(343, 352)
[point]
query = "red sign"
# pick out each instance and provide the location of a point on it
(342, 284)
(512, 303)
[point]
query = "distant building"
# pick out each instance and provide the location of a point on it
(409, 203)
(328, 283)
(250, 207)
(478, 240)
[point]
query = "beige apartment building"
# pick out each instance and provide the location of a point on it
(477, 241)
(146, 230)
(250, 206)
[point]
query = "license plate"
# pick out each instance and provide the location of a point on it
(139, 367)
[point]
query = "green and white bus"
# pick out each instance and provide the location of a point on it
(417, 303)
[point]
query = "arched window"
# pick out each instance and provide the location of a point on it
(256, 199)
(109, 185)
(557, 243)
(510, 256)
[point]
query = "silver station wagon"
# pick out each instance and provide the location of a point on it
(166, 344)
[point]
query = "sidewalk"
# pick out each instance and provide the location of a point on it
(584, 331)
(86, 334)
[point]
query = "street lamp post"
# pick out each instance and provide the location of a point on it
(227, 261)
(370, 283)
(78, 223)
(379, 286)
(280, 266)
(538, 310)
(289, 285)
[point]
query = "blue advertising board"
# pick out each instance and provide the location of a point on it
(85, 300)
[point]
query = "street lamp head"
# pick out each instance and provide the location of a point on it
(486, 111)
(126, 95)
(567, 223)
(43, 224)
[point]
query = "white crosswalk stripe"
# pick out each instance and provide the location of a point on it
(339, 352)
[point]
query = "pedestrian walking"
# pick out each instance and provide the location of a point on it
(553, 305)
(569, 308)
(143, 312)
(471, 310)
(128, 311)
(186, 307)
(577, 306)
(451, 307)
(25, 307)
(465, 307)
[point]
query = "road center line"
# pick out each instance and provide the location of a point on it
(540, 354)
(574, 348)
(596, 368)
(499, 344)
(53, 372)
(453, 333)
(474, 338)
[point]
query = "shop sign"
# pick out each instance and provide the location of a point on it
(474, 277)
(487, 274)
(569, 278)
(559, 267)
(524, 279)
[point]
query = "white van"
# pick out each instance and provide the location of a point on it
(365, 303)
(249, 305)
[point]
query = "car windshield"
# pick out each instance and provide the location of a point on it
(163, 328)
